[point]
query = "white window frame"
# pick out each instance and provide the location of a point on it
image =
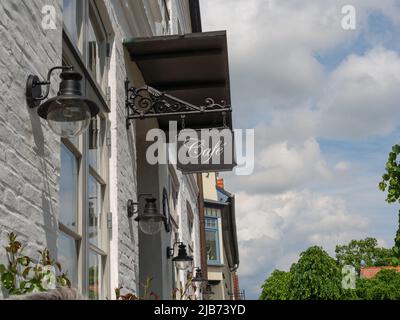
(77, 57)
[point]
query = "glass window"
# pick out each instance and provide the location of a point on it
(96, 138)
(73, 19)
(95, 271)
(68, 188)
(68, 257)
(97, 47)
(212, 240)
(83, 242)
(213, 212)
(95, 209)
(212, 223)
(211, 245)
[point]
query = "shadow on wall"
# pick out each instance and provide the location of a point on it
(49, 218)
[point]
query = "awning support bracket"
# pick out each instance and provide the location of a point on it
(147, 102)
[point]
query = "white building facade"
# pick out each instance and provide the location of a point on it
(71, 195)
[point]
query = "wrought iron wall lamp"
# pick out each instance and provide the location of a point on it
(150, 220)
(69, 113)
(182, 260)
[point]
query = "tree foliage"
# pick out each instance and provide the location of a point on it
(316, 276)
(276, 287)
(363, 252)
(385, 286)
(391, 183)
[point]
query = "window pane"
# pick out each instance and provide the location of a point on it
(94, 276)
(211, 223)
(95, 209)
(211, 245)
(68, 188)
(96, 133)
(96, 48)
(68, 257)
(73, 13)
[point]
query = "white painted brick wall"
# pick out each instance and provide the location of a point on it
(29, 151)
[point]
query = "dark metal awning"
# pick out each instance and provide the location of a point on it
(191, 67)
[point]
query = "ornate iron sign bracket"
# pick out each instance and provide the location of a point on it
(147, 102)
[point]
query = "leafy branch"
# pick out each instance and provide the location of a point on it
(391, 183)
(20, 275)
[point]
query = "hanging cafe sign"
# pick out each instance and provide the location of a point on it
(191, 149)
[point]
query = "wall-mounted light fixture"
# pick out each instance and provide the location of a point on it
(182, 260)
(69, 113)
(150, 220)
(208, 290)
(199, 278)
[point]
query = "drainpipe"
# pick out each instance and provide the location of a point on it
(203, 253)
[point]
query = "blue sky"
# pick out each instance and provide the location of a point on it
(324, 103)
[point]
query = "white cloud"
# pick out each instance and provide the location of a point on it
(273, 44)
(362, 97)
(342, 166)
(274, 229)
(285, 166)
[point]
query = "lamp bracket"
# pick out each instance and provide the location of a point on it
(34, 94)
(171, 250)
(147, 102)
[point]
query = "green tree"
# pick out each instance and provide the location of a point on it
(391, 183)
(276, 286)
(364, 252)
(385, 286)
(316, 276)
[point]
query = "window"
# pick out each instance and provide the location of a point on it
(213, 212)
(83, 241)
(83, 228)
(69, 188)
(69, 236)
(97, 47)
(190, 218)
(97, 131)
(68, 256)
(73, 11)
(212, 240)
(85, 29)
(95, 276)
(95, 211)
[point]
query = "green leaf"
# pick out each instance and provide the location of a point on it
(396, 149)
(7, 279)
(2, 268)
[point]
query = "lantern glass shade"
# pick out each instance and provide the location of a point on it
(182, 260)
(182, 265)
(68, 117)
(151, 226)
(150, 221)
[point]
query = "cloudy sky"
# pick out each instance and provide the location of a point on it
(325, 106)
